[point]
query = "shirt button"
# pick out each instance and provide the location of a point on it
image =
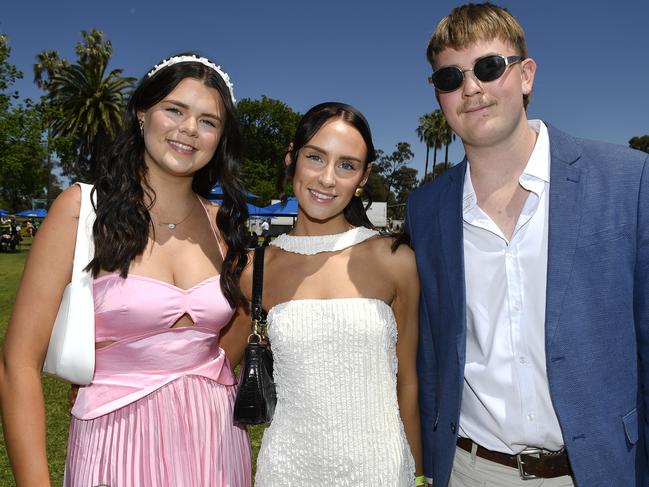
(453, 428)
(530, 417)
(523, 360)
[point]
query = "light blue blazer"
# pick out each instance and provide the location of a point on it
(597, 310)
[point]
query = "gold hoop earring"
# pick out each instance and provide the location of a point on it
(359, 192)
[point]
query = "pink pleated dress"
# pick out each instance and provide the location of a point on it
(158, 412)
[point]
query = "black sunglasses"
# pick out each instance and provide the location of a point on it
(488, 68)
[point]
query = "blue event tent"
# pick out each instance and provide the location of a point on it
(253, 210)
(39, 213)
(3, 212)
(276, 209)
(218, 191)
(279, 209)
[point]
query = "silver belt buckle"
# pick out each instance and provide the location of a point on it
(521, 463)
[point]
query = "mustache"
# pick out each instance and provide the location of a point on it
(472, 105)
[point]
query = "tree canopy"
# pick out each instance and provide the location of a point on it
(88, 102)
(429, 132)
(640, 143)
(267, 127)
(23, 173)
(8, 74)
(393, 170)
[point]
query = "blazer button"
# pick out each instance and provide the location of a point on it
(453, 428)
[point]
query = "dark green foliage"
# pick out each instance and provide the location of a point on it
(434, 131)
(267, 127)
(396, 176)
(88, 102)
(23, 172)
(640, 143)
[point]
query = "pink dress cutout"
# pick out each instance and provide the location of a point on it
(158, 411)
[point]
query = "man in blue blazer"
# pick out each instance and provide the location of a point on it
(533, 256)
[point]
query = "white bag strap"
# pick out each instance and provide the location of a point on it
(84, 248)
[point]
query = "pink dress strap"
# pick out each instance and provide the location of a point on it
(216, 234)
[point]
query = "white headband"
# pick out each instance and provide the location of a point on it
(195, 59)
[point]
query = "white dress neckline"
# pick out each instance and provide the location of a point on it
(311, 245)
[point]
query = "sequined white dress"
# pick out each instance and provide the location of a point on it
(337, 419)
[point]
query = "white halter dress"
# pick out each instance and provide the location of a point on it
(337, 418)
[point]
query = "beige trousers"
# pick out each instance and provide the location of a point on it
(470, 470)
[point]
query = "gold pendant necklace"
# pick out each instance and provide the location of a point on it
(172, 226)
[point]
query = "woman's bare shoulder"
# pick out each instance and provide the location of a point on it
(398, 263)
(401, 255)
(67, 204)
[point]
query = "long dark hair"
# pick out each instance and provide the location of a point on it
(311, 122)
(122, 214)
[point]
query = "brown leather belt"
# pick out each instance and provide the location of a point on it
(536, 464)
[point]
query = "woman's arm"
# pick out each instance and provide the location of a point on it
(47, 272)
(234, 337)
(405, 306)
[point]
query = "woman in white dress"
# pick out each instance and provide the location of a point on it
(342, 321)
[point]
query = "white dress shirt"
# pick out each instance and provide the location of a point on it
(506, 403)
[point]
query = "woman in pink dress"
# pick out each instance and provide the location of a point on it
(158, 411)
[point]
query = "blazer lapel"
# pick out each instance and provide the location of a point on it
(450, 226)
(566, 186)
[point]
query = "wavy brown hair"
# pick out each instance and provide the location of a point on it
(122, 214)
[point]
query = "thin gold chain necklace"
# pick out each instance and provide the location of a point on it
(172, 226)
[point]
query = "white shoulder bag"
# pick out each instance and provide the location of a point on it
(71, 352)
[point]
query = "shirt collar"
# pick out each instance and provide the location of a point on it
(538, 165)
(535, 175)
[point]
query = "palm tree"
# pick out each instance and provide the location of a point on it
(429, 132)
(93, 48)
(91, 105)
(426, 133)
(84, 102)
(447, 136)
(47, 64)
(440, 127)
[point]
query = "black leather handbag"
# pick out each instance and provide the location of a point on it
(256, 397)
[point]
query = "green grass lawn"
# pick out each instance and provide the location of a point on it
(11, 266)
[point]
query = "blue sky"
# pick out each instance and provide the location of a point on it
(592, 78)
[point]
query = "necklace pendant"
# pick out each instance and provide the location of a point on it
(171, 226)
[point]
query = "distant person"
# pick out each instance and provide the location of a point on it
(16, 227)
(253, 240)
(29, 226)
(342, 322)
(158, 411)
(265, 228)
(533, 255)
(15, 232)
